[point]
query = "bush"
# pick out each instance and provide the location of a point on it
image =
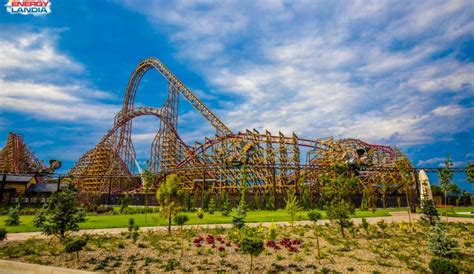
(75, 246)
(200, 213)
(212, 206)
(13, 218)
(3, 234)
(439, 243)
(252, 246)
(429, 211)
(441, 266)
(365, 224)
(104, 210)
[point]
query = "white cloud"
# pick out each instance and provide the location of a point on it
(359, 69)
(49, 92)
(33, 51)
(431, 161)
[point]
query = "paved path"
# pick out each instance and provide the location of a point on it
(396, 217)
(8, 267)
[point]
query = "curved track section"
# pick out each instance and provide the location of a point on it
(260, 162)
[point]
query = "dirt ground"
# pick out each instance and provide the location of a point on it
(400, 247)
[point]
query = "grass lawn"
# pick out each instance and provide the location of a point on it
(116, 221)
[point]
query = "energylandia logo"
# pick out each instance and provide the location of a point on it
(27, 7)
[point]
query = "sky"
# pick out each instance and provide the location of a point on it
(399, 73)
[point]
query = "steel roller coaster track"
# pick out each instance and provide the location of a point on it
(226, 162)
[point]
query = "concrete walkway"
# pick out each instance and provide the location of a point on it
(19, 267)
(396, 217)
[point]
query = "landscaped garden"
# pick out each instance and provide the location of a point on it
(340, 245)
(377, 248)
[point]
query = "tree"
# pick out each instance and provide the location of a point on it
(124, 202)
(339, 210)
(407, 181)
(168, 195)
(238, 220)
(205, 200)
(225, 205)
(315, 216)
(337, 192)
(445, 176)
(13, 218)
(62, 215)
(470, 172)
(429, 211)
(3, 234)
(212, 206)
(252, 246)
(292, 206)
(147, 179)
(133, 230)
(180, 220)
(305, 198)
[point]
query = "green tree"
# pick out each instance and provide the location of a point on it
(407, 181)
(147, 179)
(180, 220)
(3, 234)
(205, 200)
(445, 176)
(305, 198)
(339, 210)
(212, 206)
(238, 220)
(62, 215)
(337, 192)
(429, 211)
(315, 216)
(253, 247)
(124, 202)
(470, 172)
(292, 206)
(256, 200)
(168, 195)
(225, 204)
(13, 218)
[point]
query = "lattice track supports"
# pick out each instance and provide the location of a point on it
(17, 157)
(269, 163)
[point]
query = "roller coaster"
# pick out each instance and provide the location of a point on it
(228, 161)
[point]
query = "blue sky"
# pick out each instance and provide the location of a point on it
(398, 73)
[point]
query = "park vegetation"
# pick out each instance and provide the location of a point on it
(337, 245)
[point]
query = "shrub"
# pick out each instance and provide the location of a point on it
(441, 266)
(13, 218)
(212, 206)
(429, 211)
(133, 230)
(125, 202)
(180, 220)
(200, 213)
(365, 224)
(252, 246)
(292, 206)
(75, 246)
(225, 205)
(439, 243)
(3, 234)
